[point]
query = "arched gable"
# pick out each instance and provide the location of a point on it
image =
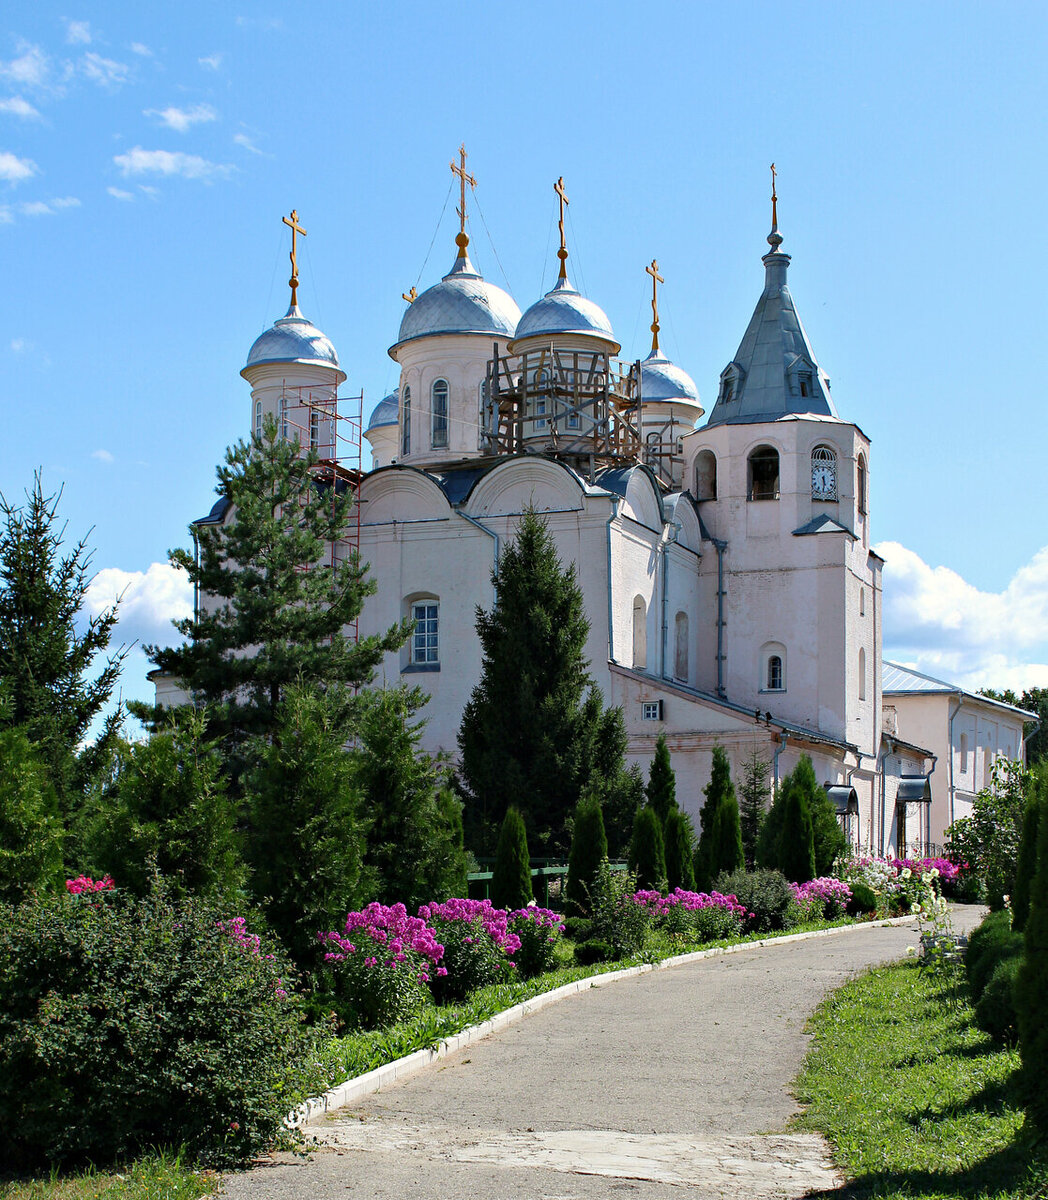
(643, 501)
(398, 493)
(520, 483)
(684, 514)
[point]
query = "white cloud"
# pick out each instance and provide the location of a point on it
(150, 600)
(61, 202)
(147, 190)
(936, 620)
(181, 119)
(167, 162)
(14, 169)
(18, 345)
(269, 24)
(46, 208)
(104, 71)
(18, 107)
(120, 194)
(211, 62)
(6, 216)
(141, 49)
(102, 456)
(78, 33)
(32, 67)
(242, 139)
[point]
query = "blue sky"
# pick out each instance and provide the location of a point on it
(147, 153)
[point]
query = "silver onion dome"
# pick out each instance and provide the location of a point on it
(386, 412)
(565, 311)
(292, 339)
(662, 380)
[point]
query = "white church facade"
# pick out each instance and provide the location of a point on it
(725, 558)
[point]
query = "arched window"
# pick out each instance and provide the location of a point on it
(258, 418)
(640, 633)
(405, 421)
(706, 475)
(680, 647)
(439, 404)
(860, 485)
(774, 681)
(764, 474)
(862, 673)
(823, 473)
(964, 753)
(772, 667)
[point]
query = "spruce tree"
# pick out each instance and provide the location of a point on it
(589, 848)
(273, 611)
(680, 844)
(753, 803)
(511, 876)
(720, 836)
(535, 733)
(1031, 987)
(30, 829)
(796, 846)
(647, 850)
(662, 783)
(414, 839)
(1026, 863)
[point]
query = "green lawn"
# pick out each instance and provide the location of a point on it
(916, 1101)
(159, 1178)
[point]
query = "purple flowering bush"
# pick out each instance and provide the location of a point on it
(381, 963)
(821, 898)
(539, 930)
(694, 916)
(478, 946)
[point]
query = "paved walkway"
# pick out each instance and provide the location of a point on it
(668, 1085)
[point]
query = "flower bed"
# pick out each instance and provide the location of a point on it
(477, 945)
(821, 898)
(695, 916)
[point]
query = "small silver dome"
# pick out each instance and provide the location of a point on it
(463, 302)
(662, 380)
(292, 339)
(386, 412)
(565, 311)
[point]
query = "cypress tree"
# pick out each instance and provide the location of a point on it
(662, 783)
(827, 835)
(796, 849)
(622, 798)
(511, 876)
(1026, 863)
(589, 847)
(720, 837)
(680, 841)
(753, 803)
(1031, 987)
(647, 850)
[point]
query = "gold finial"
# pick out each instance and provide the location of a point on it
(562, 253)
(656, 279)
(774, 202)
(462, 239)
(295, 229)
(411, 296)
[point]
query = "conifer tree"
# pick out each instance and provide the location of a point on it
(535, 733)
(1026, 863)
(647, 850)
(589, 847)
(662, 783)
(511, 875)
(828, 840)
(1031, 987)
(720, 835)
(55, 674)
(680, 845)
(622, 798)
(30, 829)
(795, 856)
(753, 803)
(273, 610)
(414, 839)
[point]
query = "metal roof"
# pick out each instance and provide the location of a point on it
(914, 789)
(292, 339)
(565, 311)
(905, 681)
(823, 523)
(662, 380)
(844, 798)
(386, 412)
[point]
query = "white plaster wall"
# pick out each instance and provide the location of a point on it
(299, 385)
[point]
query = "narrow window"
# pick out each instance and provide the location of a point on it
(640, 634)
(424, 640)
(862, 602)
(405, 422)
(540, 412)
(482, 424)
(706, 475)
(680, 657)
(314, 429)
(258, 418)
(860, 485)
(964, 753)
(774, 673)
(439, 397)
(862, 673)
(283, 417)
(764, 474)
(573, 419)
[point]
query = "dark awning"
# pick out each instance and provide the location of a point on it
(914, 789)
(844, 799)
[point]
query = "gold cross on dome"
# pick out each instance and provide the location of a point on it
(562, 253)
(462, 241)
(411, 296)
(656, 279)
(296, 228)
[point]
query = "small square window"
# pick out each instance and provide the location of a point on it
(651, 710)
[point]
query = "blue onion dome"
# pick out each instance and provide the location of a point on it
(663, 381)
(292, 339)
(463, 302)
(386, 412)
(564, 311)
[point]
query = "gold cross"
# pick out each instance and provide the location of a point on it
(774, 200)
(462, 241)
(562, 253)
(656, 279)
(295, 229)
(411, 296)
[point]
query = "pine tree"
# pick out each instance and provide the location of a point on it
(680, 844)
(589, 847)
(54, 672)
(662, 783)
(511, 876)
(1026, 863)
(535, 733)
(753, 802)
(1031, 987)
(273, 610)
(795, 856)
(647, 850)
(414, 839)
(720, 835)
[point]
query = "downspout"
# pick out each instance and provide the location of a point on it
(491, 534)
(928, 810)
(784, 737)
(611, 598)
(720, 547)
(960, 705)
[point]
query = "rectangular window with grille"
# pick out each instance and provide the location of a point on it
(651, 710)
(424, 639)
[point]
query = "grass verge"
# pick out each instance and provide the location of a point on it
(162, 1177)
(916, 1101)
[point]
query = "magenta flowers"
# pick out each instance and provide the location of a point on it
(84, 883)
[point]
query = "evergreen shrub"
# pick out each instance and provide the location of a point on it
(1031, 987)
(863, 899)
(128, 1024)
(589, 846)
(511, 875)
(990, 944)
(765, 895)
(578, 929)
(679, 840)
(647, 857)
(995, 1011)
(662, 782)
(592, 952)
(1026, 863)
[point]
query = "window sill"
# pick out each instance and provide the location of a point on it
(771, 691)
(415, 668)
(759, 499)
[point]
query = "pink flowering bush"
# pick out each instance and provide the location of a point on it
(539, 930)
(478, 946)
(825, 897)
(695, 916)
(948, 871)
(382, 963)
(84, 883)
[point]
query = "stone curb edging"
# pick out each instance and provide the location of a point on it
(354, 1089)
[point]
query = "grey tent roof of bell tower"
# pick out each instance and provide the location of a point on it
(773, 343)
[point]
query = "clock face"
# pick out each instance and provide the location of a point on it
(824, 481)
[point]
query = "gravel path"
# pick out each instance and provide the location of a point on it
(670, 1084)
